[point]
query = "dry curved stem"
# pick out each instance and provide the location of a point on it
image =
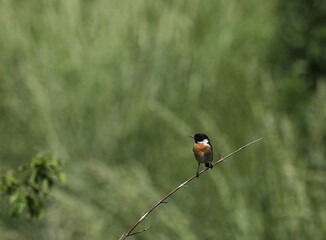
(127, 234)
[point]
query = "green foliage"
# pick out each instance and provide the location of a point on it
(28, 185)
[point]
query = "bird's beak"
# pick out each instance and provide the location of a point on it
(191, 136)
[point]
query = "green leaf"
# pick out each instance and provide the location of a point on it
(45, 185)
(62, 177)
(17, 203)
(32, 177)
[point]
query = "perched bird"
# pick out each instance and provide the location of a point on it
(203, 150)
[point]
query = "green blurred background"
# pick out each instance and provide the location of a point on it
(115, 89)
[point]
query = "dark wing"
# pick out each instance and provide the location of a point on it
(212, 150)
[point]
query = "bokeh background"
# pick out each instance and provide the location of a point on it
(115, 89)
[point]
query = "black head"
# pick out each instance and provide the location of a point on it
(199, 137)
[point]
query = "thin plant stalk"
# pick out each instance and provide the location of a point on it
(127, 234)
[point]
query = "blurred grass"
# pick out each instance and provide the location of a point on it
(115, 88)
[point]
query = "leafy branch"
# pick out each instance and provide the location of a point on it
(127, 234)
(27, 186)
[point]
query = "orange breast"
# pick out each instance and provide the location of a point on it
(202, 148)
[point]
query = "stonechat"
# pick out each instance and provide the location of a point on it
(203, 150)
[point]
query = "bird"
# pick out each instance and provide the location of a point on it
(203, 150)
